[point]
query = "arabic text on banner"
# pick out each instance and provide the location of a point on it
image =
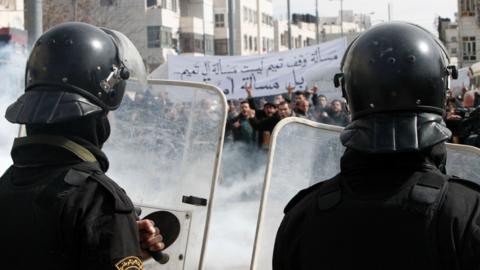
(269, 74)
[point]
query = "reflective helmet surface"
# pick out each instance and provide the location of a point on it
(74, 69)
(395, 67)
(394, 77)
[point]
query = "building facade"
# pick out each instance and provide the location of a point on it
(157, 27)
(254, 27)
(448, 34)
(201, 27)
(11, 14)
(303, 29)
(196, 27)
(468, 32)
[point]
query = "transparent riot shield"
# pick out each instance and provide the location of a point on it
(462, 161)
(164, 150)
(303, 152)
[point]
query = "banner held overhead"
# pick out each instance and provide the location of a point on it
(269, 74)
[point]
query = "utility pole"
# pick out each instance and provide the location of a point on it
(389, 6)
(33, 19)
(74, 6)
(341, 16)
(259, 27)
(289, 26)
(231, 33)
(204, 35)
(317, 22)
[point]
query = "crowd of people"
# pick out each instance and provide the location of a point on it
(252, 120)
(463, 117)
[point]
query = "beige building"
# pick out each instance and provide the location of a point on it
(196, 27)
(254, 27)
(448, 34)
(157, 27)
(468, 32)
(303, 29)
(11, 14)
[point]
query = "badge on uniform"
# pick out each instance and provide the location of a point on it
(130, 263)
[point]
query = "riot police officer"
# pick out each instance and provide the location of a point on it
(392, 206)
(59, 209)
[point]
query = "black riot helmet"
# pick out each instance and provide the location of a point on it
(394, 77)
(75, 70)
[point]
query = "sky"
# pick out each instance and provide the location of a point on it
(422, 12)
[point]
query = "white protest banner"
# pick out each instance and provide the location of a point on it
(269, 74)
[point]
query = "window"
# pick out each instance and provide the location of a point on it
(174, 5)
(270, 45)
(453, 39)
(250, 43)
(107, 3)
(153, 36)
(151, 3)
(209, 44)
(198, 45)
(221, 46)
(467, 7)
(245, 42)
(164, 4)
(469, 49)
(310, 41)
(166, 37)
(453, 50)
(159, 36)
(255, 44)
(245, 14)
(219, 20)
(191, 43)
(283, 39)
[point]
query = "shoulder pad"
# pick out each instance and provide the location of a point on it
(303, 193)
(122, 201)
(78, 175)
(468, 183)
(75, 177)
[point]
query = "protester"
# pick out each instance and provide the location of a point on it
(241, 129)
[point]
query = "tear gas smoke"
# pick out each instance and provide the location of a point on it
(12, 69)
(160, 153)
(236, 206)
(163, 147)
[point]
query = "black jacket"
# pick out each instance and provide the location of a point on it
(382, 212)
(60, 211)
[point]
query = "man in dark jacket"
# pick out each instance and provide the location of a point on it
(337, 115)
(59, 209)
(392, 206)
(268, 111)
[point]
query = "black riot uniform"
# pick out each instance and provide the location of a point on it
(392, 206)
(59, 209)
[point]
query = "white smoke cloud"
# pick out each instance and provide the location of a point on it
(12, 70)
(162, 147)
(234, 221)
